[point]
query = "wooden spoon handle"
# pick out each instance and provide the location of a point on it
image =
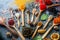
(18, 21)
(22, 18)
(28, 18)
(47, 32)
(11, 30)
(11, 14)
(32, 18)
(45, 25)
(49, 19)
(34, 32)
(19, 33)
(36, 18)
(53, 5)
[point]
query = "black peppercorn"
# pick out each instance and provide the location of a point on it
(27, 32)
(53, 10)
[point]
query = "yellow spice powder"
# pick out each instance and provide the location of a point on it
(21, 3)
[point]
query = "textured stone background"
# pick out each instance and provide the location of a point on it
(6, 4)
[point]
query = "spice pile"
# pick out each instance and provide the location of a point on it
(34, 22)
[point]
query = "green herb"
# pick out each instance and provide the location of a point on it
(44, 17)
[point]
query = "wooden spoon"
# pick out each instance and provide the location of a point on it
(37, 17)
(44, 28)
(2, 22)
(12, 24)
(11, 30)
(22, 17)
(28, 17)
(48, 30)
(19, 33)
(22, 8)
(18, 19)
(33, 13)
(38, 26)
(41, 10)
(49, 19)
(53, 5)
